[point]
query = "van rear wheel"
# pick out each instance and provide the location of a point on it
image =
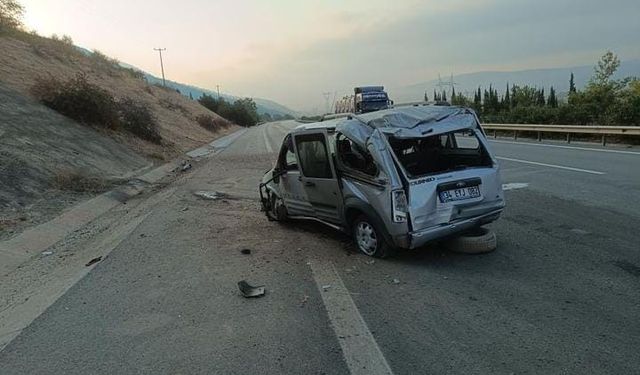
(369, 239)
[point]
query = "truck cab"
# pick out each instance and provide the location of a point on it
(396, 178)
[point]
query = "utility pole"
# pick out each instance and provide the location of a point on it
(164, 83)
(327, 97)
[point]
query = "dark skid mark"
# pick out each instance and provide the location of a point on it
(628, 266)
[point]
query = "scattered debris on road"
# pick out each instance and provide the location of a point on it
(326, 287)
(396, 281)
(47, 253)
(245, 251)
(514, 186)
(93, 261)
(249, 291)
(304, 300)
(185, 166)
(210, 195)
(185, 209)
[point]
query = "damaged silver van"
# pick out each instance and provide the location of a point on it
(396, 178)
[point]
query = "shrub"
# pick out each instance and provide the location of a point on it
(90, 104)
(210, 123)
(243, 111)
(72, 180)
(78, 99)
(138, 120)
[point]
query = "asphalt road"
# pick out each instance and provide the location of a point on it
(561, 295)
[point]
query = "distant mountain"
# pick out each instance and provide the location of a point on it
(468, 83)
(264, 105)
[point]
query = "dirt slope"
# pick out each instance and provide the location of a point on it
(38, 145)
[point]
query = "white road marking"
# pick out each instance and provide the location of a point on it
(266, 138)
(551, 165)
(360, 350)
(568, 147)
(514, 186)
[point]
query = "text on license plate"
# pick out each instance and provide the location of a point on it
(460, 194)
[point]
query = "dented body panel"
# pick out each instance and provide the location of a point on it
(448, 200)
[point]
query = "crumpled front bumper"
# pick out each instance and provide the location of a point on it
(419, 238)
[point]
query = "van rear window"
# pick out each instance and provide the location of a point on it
(440, 153)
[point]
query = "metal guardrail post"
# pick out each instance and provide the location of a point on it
(604, 139)
(515, 135)
(568, 137)
(539, 136)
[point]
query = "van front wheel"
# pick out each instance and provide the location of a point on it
(369, 238)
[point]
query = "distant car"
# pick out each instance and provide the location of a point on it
(396, 178)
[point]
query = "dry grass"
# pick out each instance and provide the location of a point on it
(70, 180)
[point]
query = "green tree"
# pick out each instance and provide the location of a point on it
(506, 101)
(552, 100)
(605, 69)
(572, 85)
(11, 13)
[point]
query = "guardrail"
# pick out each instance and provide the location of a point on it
(603, 131)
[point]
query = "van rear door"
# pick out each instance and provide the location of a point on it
(451, 176)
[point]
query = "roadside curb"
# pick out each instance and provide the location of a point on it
(19, 249)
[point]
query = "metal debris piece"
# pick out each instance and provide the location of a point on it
(185, 166)
(210, 195)
(245, 251)
(396, 281)
(93, 261)
(304, 301)
(249, 291)
(47, 253)
(185, 209)
(326, 287)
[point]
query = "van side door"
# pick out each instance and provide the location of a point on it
(318, 176)
(291, 189)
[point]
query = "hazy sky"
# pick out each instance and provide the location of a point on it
(293, 50)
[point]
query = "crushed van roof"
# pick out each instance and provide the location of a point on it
(408, 122)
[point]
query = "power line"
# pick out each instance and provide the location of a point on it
(164, 83)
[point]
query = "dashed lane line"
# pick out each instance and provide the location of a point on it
(359, 348)
(266, 138)
(551, 165)
(568, 147)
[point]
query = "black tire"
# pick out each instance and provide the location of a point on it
(363, 226)
(476, 241)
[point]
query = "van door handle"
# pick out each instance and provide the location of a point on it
(309, 183)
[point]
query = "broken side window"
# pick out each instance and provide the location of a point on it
(287, 159)
(355, 157)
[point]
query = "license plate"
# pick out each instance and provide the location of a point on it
(460, 194)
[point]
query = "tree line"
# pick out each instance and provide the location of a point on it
(603, 101)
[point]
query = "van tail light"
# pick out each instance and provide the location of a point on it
(400, 206)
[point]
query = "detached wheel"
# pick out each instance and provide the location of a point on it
(369, 239)
(476, 241)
